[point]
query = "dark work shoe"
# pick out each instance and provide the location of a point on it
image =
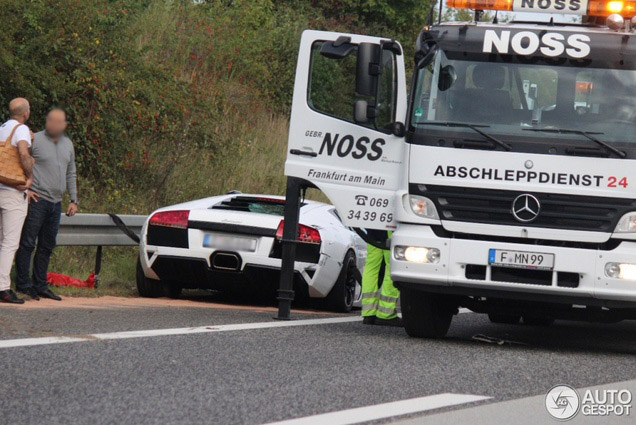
(388, 322)
(368, 320)
(31, 292)
(47, 293)
(10, 297)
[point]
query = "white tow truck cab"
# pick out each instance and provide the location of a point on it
(508, 174)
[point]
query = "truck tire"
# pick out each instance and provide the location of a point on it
(342, 295)
(537, 321)
(425, 315)
(504, 319)
(151, 288)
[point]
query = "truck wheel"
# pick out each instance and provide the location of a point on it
(343, 293)
(537, 321)
(425, 315)
(148, 288)
(504, 319)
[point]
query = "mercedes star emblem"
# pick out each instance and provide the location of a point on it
(525, 208)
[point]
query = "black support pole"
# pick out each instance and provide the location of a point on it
(98, 264)
(290, 235)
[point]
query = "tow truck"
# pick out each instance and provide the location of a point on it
(507, 173)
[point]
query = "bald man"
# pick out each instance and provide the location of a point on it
(13, 200)
(53, 174)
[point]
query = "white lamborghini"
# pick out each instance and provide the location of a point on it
(233, 243)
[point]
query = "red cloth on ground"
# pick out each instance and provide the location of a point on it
(56, 279)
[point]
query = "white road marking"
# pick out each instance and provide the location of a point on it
(26, 342)
(385, 410)
(523, 411)
(461, 311)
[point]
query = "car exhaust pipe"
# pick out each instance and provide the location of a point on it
(226, 261)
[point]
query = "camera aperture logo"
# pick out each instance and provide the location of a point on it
(563, 402)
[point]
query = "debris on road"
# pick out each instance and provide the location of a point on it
(493, 340)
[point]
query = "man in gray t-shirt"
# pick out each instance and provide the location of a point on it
(53, 174)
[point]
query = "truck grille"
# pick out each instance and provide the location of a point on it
(559, 211)
(531, 277)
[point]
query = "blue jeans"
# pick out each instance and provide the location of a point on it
(41, 224)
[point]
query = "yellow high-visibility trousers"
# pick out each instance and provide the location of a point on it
(381, 303)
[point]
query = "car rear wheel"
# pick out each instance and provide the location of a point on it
(342, 295)
(504, 319)
(172, 290)
(151, 288)
(426, 315)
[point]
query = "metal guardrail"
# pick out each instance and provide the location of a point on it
(100, 230)
(97, 230)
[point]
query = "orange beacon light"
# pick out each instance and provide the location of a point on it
(594, 7)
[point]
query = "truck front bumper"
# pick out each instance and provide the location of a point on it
(578, 277)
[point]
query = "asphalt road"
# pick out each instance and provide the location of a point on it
(260, 375)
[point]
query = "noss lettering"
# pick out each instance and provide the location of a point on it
(347, 145)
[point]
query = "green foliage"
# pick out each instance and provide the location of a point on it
(152, 84)
(142, 81)
(171, 100)
(467, 15)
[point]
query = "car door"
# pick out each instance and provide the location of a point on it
(346, 129)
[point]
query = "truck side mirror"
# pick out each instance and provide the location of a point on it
(368, 69)
(373, 60)
(363, 112)
(360, 108)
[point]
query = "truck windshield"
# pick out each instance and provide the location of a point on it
(512, 97)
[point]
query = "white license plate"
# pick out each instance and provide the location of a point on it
(229, 243)
(521, 259)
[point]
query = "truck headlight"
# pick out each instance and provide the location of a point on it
(423, 207)
(627, 223)
(620, 271)
(416, 254)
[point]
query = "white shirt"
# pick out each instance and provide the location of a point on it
(21, 133)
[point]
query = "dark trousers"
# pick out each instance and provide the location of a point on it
(41, 224)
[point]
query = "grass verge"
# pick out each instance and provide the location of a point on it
(117, 277)
(256, 165)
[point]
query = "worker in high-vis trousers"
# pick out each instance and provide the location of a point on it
(379, 305)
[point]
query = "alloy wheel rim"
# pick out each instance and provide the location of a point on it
(350, 285)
